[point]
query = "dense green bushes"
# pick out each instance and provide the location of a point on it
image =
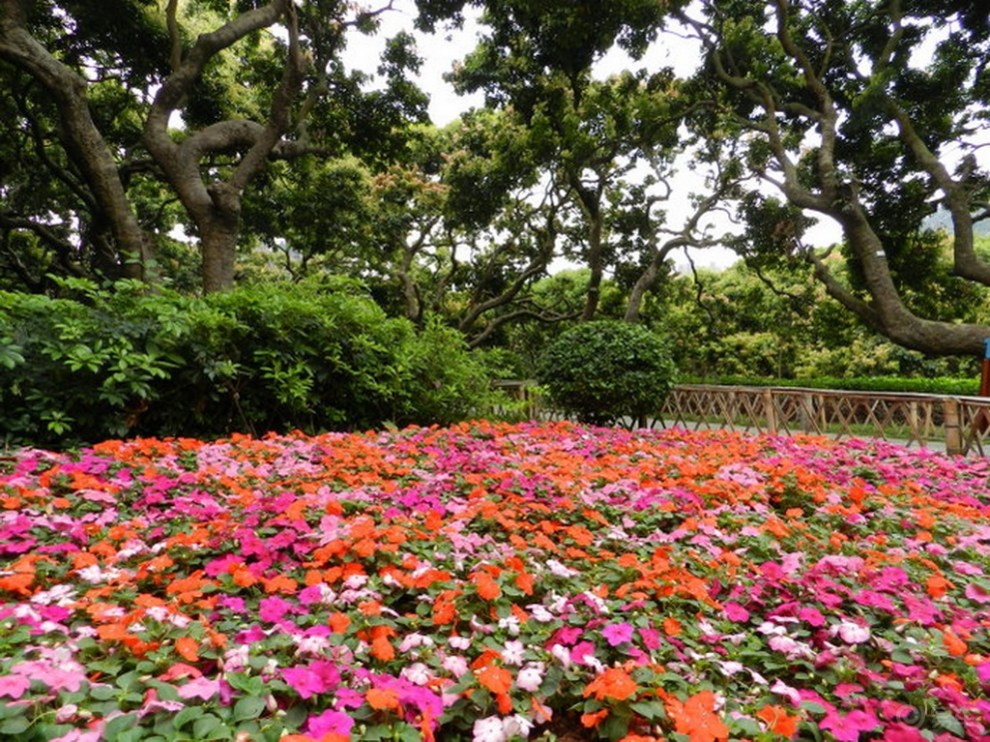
(607, 370)
(894, 384)
(311, 356)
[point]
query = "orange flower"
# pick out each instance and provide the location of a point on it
(671, 626)
(779, 721)
(494, 678)
(937, 586)
(187, 648)
(696, 717)
(591, 721)
(381, 699)
(613, 683)
(339, 622)
(487, 587)
(956, 646)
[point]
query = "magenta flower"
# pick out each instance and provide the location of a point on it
(735, 612)
(273, 608)
(329, 722)
(847, 727)
(618, 633)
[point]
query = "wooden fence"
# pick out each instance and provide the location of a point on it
(956, 424)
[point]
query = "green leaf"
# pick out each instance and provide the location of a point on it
(950, 723)
(186, 715)
(649, 709)
(103, 692)
(249, 707)
(117, 727)
(16, 725)
(205, 725)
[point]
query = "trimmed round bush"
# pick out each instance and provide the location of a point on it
(607, 371)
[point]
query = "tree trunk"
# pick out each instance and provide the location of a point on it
(218, 250)
(886, 312)
(82, 139)
(595, 259)
(643, 284)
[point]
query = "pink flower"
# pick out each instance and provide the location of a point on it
(273, 608)
(329, 722)
(583, 653)
(318, 677)
(977, 593)
(847, 728)
(203, 688)
(811, 616)
(735, 612)
(77, 736)
(13, 686)
(618, 633)
(901, 732)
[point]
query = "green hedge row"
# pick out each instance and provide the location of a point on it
(312, 356)
(939, 385)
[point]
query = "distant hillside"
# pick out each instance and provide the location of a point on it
(941, 220)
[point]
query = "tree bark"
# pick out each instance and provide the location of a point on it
(215, 206)
(83, 141)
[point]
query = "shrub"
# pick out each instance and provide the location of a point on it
(606, 371)
(311, 356)
(892, 384)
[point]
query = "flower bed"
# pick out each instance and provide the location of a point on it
(494, 582)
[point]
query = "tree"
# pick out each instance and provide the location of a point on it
(536, 62)
(836, 110)
(250, 82)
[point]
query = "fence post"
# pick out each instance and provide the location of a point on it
(807, 413)
(950, 423)
(768, 410)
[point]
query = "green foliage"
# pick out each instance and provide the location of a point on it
(312, 356)
(897, 384)
(608, 370)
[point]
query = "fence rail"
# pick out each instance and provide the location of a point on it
(957, 424)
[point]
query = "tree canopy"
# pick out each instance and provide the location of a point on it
(139, 134)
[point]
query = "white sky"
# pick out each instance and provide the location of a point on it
(442, 51)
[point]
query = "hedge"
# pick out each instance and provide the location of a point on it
(132, 362)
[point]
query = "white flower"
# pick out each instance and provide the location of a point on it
(517, 725)
(531, 677)
(417, 673)
(560, 569)
(731, 667)
(513, 652)
(853, 633)
(459, 642)
(311, 644)
(540, 613)
(355, 582)
(769, 627)
(455, 665)
(782, 689)
(510, 624)
(489, 729)
(562, 653)
(59, 595)
(790, 646)
(235, 660)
